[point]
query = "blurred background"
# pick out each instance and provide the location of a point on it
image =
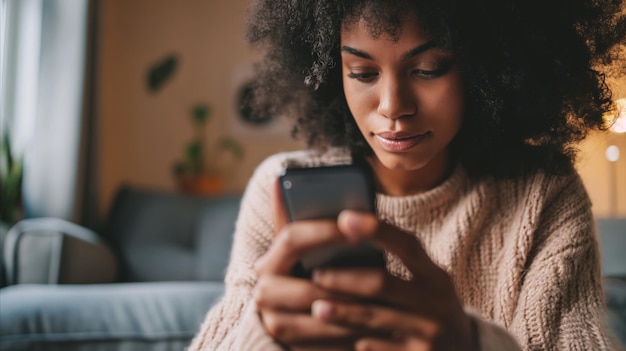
(97, 94)
(129, 118)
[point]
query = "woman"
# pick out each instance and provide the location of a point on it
(467, 114)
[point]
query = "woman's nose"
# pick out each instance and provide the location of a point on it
(396, 100)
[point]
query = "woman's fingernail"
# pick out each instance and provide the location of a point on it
(353, 223)
(322, 310)
(317, 276)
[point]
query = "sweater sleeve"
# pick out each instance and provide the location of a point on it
(561, 303)
(234, 320)
(550, 295)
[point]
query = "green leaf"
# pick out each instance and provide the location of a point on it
(201, 113)
(11, 170)
(195, 155)
(6, 147)
(161, 72)
(230, 144)
(5, 158)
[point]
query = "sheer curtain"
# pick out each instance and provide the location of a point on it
(46, 100)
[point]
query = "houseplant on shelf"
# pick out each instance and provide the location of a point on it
(10, 183)
(193, 174)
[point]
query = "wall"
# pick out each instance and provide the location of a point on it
(143, 134)
(602, 178)
(597, 173)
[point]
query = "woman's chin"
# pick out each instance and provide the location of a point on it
(404, 162)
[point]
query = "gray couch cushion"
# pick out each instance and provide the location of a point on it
(130, 316)
(162, 236)
(615, 291)
(55, 251)
(612, 235)
(214, 238)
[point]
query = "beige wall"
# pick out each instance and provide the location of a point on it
(142, 134)
(601, 177)
(605, 180)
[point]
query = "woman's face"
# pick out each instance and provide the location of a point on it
(406, 96)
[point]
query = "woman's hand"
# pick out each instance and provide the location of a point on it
(423, 313)
(284, 302)
(369, 309)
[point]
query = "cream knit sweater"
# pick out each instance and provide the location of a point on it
(522, 253)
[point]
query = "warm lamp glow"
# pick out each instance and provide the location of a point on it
(612, 153)
(619, 124)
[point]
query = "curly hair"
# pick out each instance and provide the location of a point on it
(533, 71)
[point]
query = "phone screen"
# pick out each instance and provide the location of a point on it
(322, 193)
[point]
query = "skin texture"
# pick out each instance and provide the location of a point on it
(381, 312)
(394, 90)
(388, 92)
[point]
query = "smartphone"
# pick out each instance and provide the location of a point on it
(322, 193)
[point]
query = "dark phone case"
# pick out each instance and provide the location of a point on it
(321, 193)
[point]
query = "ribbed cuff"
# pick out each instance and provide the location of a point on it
(252, 334)
(491, 336)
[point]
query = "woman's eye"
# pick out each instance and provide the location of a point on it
(425, 73)
(430, 74)
(363, 77)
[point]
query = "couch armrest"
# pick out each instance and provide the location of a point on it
(55, 251)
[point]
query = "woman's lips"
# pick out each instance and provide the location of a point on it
(399, 142)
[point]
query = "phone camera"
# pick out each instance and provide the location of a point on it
(287, 184)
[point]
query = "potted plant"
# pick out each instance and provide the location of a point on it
(193, 174)
(10, 184)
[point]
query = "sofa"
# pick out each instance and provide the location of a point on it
(146, 280)
(143, 282)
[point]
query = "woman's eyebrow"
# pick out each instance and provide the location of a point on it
(356, 52)
(409, 54)
(434, 43)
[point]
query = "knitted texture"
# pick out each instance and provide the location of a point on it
(522, 253)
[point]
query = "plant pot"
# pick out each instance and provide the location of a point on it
(200, 184)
